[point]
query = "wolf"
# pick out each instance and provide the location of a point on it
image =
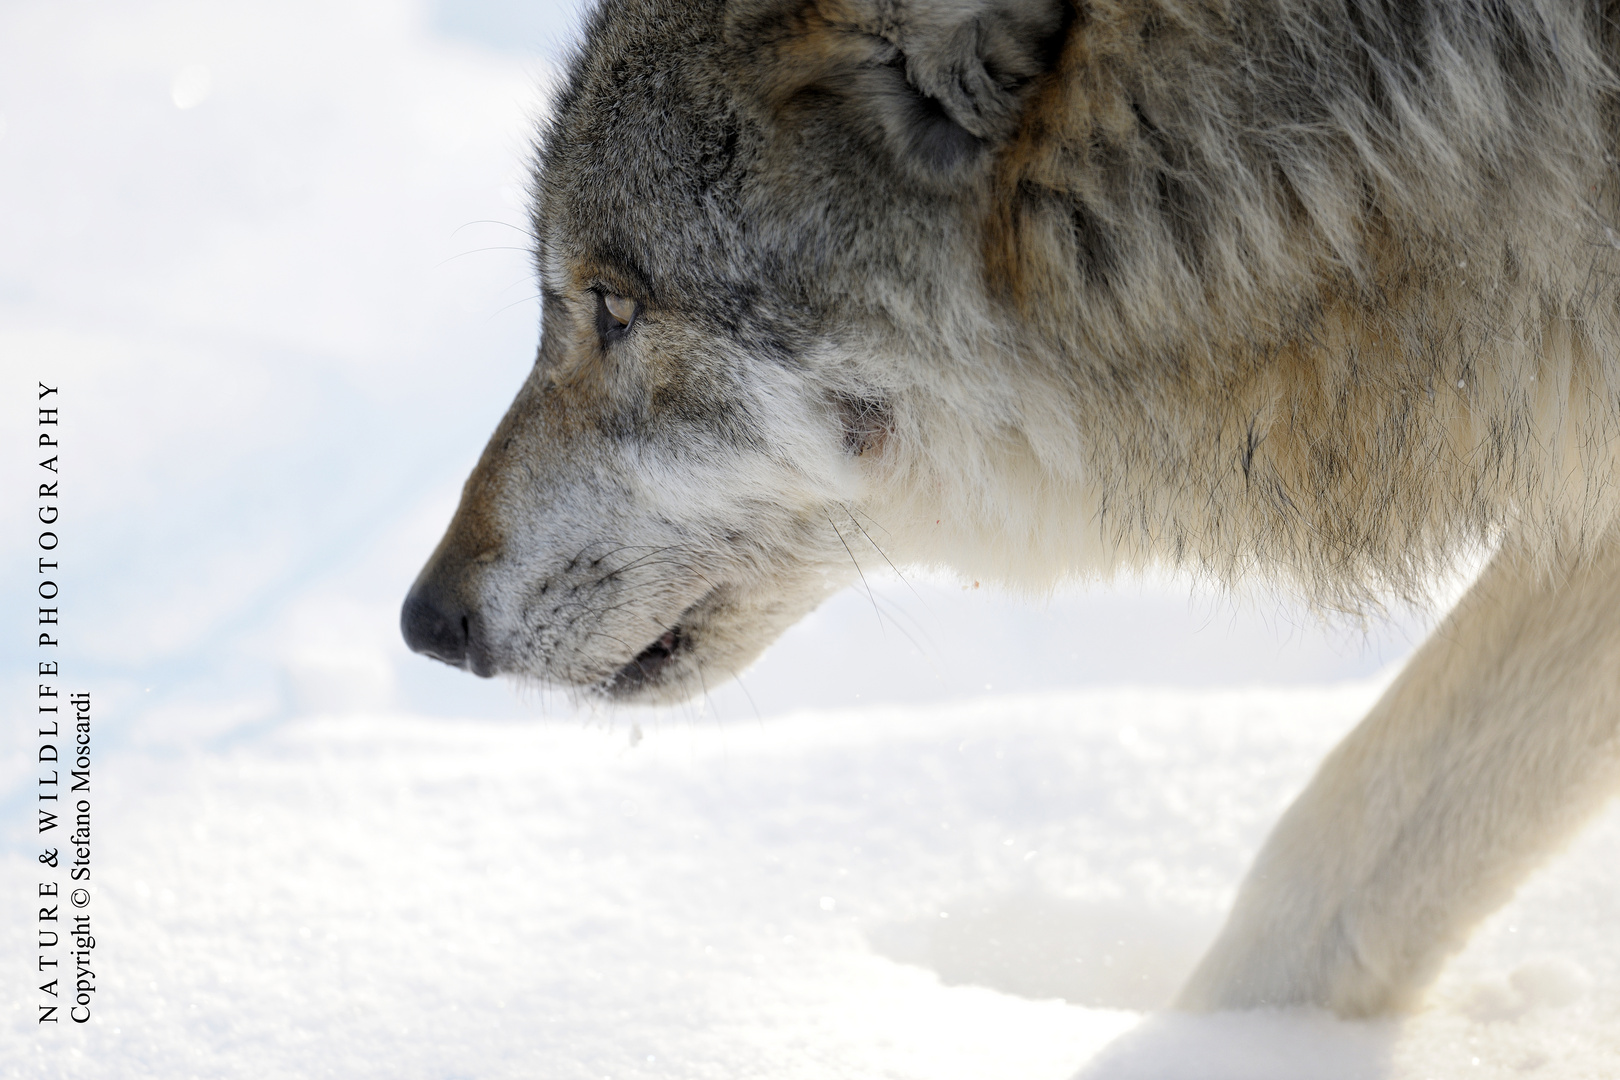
(1320, 292)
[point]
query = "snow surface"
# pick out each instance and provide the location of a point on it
(273, 253)
(995, 888)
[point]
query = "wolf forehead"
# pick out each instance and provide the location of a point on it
(642, 164)
(729, 155)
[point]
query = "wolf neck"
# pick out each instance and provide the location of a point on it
(1348, 317)
(1356, 459)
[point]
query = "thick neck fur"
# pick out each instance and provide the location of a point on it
(1324, 288)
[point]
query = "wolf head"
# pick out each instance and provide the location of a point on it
(758, 236)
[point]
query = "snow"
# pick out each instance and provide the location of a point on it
(271, 253)
(993, 888)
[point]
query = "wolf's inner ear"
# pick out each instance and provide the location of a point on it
(941, 81)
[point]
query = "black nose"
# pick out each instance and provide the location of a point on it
(436, 625)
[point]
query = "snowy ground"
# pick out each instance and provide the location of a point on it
(273, 255)
(999, 888)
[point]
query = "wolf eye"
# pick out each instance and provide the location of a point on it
(615, 315)
(620, 307)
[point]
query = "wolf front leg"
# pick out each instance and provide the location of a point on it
(1492, 747)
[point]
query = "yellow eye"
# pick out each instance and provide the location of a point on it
(622, 308)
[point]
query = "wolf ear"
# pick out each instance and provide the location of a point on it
(939, 81)
(969, 63)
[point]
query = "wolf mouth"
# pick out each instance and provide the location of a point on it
(645, 668)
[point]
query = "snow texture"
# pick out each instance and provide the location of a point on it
(274, 256)
(997, 888)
